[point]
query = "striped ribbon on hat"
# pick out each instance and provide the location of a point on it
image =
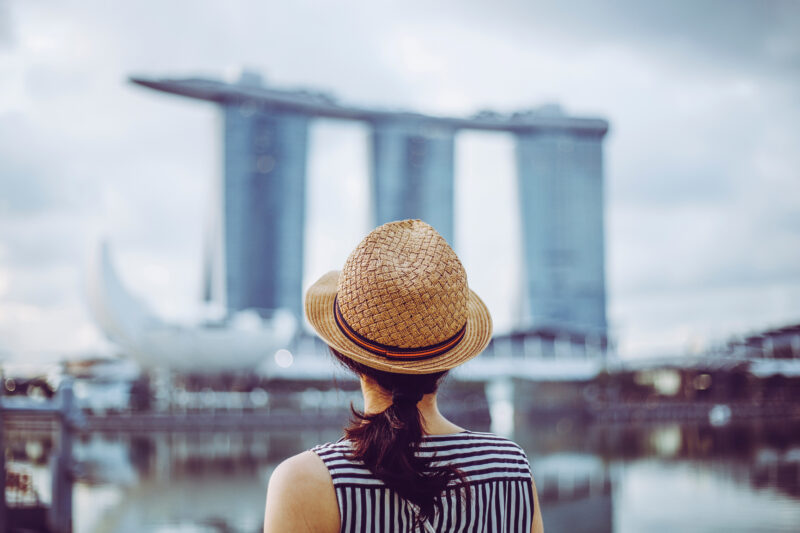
(394, 352)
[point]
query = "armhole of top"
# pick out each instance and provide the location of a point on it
(327, 447)
(325, 458)
(530, 481)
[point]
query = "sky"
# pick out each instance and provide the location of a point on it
(702, 166)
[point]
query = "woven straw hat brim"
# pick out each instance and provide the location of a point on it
(319, 310)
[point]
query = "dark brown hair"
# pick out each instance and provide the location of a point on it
(385, 442)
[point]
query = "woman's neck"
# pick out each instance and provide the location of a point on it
(377, 399)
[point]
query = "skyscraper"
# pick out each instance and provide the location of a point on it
(412, 172)
(560, 178)
(263, 198)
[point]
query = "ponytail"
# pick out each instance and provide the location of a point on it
(386, 442)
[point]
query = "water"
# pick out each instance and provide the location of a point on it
(589, 477)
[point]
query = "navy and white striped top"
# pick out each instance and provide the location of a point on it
(497, 470)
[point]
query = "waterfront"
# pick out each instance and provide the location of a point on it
(618, 478)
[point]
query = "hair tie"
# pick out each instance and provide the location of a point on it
(407, 397)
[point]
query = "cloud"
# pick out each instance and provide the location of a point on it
(5, 25)
(759, 38)
(700, 162)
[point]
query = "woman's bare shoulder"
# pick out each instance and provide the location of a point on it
(305, 466)
(301, 497)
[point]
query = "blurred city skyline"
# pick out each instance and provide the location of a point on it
(702, 218)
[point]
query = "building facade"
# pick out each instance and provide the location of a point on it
(560, 178)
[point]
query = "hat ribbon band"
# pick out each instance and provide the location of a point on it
(393, 352)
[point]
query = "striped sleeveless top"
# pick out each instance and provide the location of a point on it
(497, 470)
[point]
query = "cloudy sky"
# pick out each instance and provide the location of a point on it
(702, 160)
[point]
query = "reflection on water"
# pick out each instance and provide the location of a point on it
(183, 481)
(590, 477)
(666, 477)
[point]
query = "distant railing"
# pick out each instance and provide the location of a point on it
(64, 411)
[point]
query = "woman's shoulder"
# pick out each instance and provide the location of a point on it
(297, 483)
(305, 465)
(475, 448)
(473, 438)
(303, 473)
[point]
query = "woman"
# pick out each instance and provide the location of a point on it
(400, 315)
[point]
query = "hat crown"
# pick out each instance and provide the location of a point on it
(403, 286)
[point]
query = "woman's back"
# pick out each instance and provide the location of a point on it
(401, 315)
(500, 490)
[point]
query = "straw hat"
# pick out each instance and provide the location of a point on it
(401, 303)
